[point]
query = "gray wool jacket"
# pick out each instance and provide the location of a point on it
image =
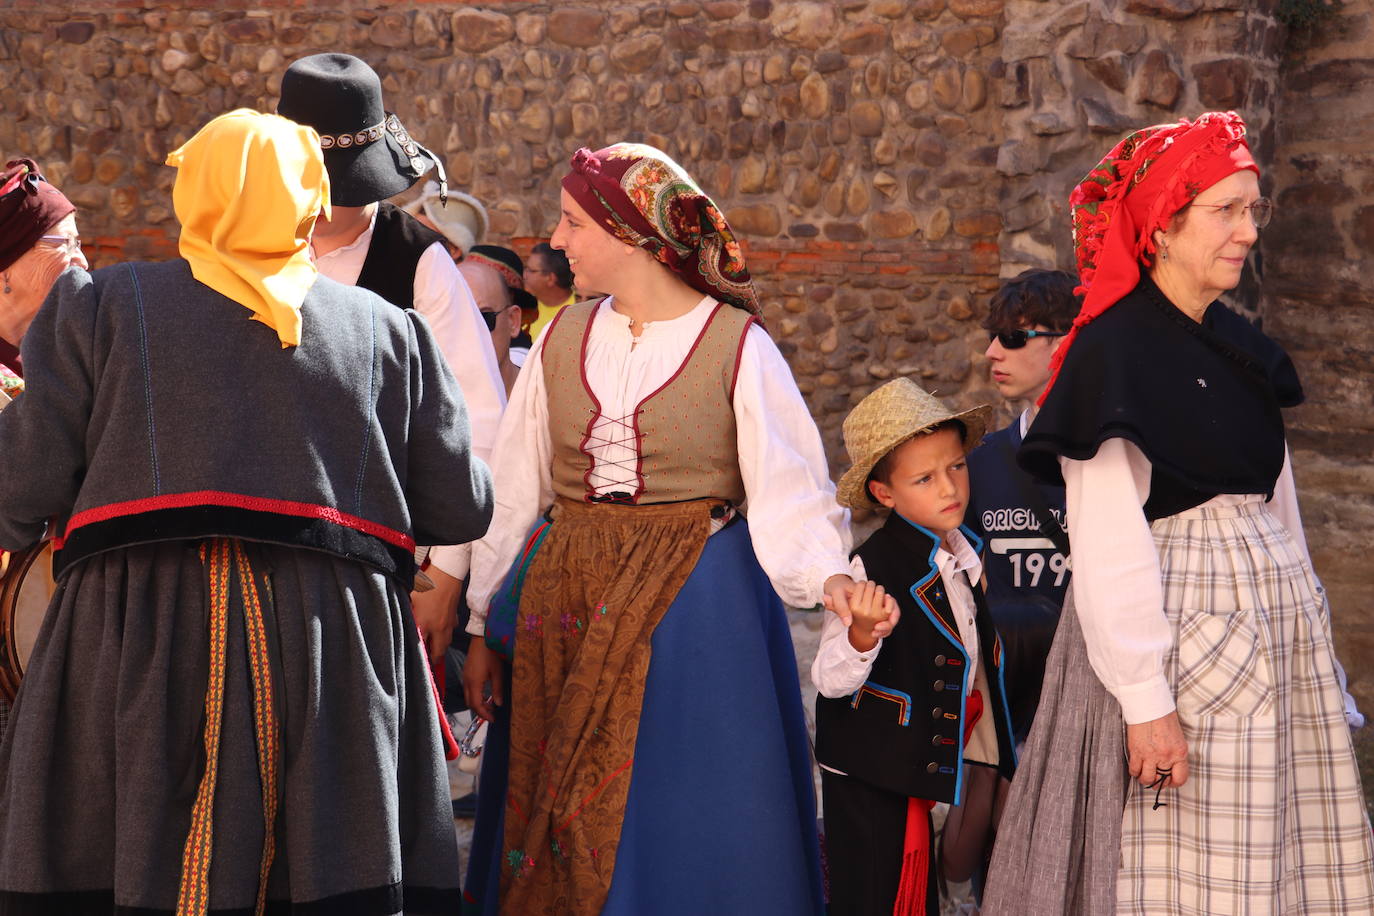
(157, 409)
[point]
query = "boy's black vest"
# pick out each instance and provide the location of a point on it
(398, 240)
(903, 730)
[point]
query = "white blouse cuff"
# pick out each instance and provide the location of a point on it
(1145, 701)
(454, 559)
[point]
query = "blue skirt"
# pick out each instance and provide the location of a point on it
(721, 814)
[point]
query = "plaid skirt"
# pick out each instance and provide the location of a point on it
(1272, 819)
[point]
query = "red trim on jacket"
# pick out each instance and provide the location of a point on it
(238, 501)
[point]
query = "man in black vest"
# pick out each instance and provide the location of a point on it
(1020, 519)
(368, 242)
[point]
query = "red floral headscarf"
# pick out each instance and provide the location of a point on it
(645, 199)
(1146, 178)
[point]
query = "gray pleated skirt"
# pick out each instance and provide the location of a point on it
(105, 748)
(1272, 819)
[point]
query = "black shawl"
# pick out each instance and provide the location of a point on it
(1201, 400)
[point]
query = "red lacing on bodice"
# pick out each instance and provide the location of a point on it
(623, 475)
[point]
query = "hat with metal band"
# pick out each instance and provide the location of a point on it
(369, 155)
(511, 268)
(889, 416)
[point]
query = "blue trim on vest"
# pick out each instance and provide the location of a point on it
(891, 694)
(953, 637)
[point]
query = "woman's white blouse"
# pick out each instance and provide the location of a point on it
(801, 535)
(1116, 577)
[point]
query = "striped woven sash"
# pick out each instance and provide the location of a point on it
(224, 556)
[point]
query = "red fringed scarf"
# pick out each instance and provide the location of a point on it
(918, 843)
(1146, 178)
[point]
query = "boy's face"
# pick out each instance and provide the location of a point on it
(1022, 372)
(929, 481)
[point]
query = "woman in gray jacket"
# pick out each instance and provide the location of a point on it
(227, 706)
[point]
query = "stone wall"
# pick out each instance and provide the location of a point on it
(885, 160)
(1319, 301)
(1080, 75)
(852, 143)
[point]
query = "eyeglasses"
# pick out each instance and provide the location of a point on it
(490, 319)
(1261, 211)
(1015, 340)
(70, 244)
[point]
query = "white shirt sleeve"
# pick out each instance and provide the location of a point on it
(443, 297)
(838, 668)
(1117, 586)
(1284, 505)
(522, 463)
(801, 534)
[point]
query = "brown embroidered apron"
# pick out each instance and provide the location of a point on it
(602, 580)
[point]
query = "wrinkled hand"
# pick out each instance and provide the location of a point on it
(483, 668)
(436, 612)
(1158, 745)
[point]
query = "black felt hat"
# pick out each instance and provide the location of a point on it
(369, 155)
(511, 268)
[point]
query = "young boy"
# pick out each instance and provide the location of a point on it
(912, 710)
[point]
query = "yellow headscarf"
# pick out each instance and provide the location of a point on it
(248, 189)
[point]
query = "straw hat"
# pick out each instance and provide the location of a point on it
(894, 413)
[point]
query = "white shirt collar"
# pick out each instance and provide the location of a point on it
(363, 240)
(956, 554)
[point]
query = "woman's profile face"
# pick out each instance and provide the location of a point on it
(1207, 250)
(595, 256)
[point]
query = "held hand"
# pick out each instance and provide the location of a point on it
(1158, 747)
(483, 667)
(875, 614)
(836, 595)
(436, 612)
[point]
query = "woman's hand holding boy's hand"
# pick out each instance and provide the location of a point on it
(835, 596)
(875, 615)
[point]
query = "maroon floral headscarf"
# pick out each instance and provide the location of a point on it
(645, 199)
(1146, 178)
(29, 207)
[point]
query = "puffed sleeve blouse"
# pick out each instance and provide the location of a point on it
(801, 535)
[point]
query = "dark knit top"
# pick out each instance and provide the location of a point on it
(1201, 400)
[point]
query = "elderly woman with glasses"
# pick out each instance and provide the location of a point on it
(1193, 598)
(38, 241)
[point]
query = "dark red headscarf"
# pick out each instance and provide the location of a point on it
(645, 199)
(1146, 178)
(29, 207)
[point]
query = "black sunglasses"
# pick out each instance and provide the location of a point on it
(1015, 340)
(490, 319)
